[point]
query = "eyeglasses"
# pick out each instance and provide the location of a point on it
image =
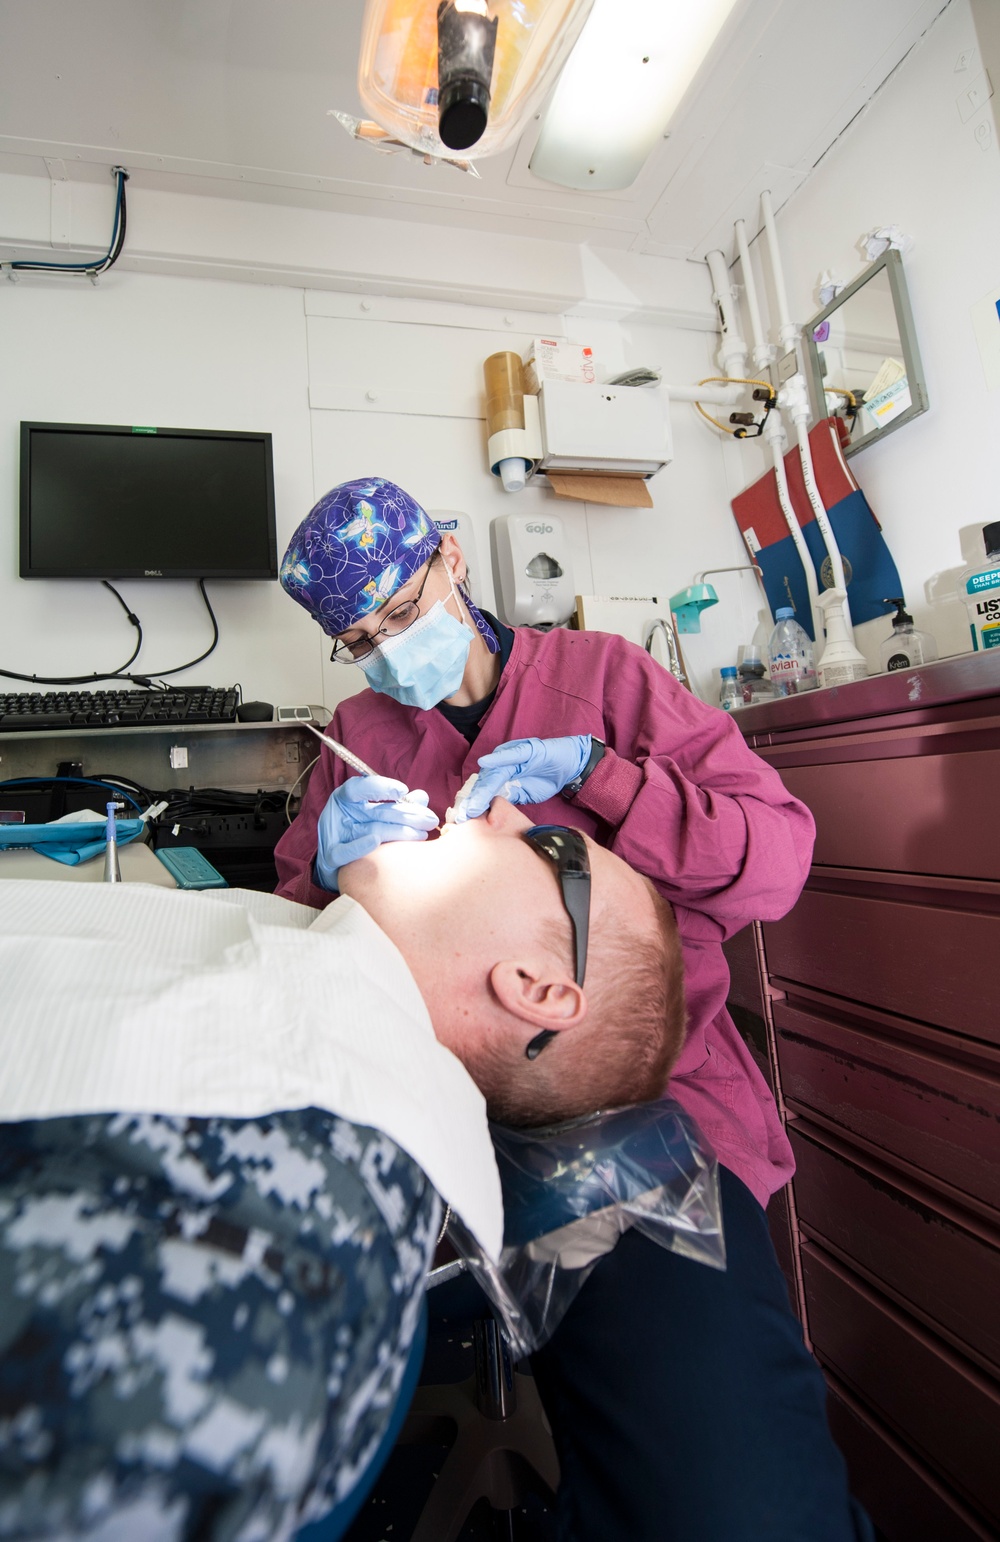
(351, 650)
(566, 849)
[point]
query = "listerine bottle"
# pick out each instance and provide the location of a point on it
(905, 646)
(979, 587)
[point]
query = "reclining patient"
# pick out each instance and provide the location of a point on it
(228, 1126)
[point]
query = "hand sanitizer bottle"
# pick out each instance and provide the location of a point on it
(790, 654)
(905, 646)
(841, 662)
(980, 589)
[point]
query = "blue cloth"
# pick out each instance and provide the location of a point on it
(353, 550)
(684, 1404)
(70, 843)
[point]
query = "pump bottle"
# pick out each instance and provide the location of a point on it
(979, 587)
(905, 646)
(841, 661)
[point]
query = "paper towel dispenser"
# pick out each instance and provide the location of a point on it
(617, 430)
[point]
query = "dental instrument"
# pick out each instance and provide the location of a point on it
(349, 758)
(112, 868)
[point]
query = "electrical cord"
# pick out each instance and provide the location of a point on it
(163, 674)
(295, 786)
(40, 783)
(735, 380)
(121, 673)
(91, 269)
(117, 674)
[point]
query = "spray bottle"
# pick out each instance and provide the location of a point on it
(841, 661)
(112, 870)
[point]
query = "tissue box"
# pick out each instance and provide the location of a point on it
(552, 358)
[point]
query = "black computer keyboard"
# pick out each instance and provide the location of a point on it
(43, 711)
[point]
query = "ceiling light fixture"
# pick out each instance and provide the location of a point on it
(462, 74)
(621, 86)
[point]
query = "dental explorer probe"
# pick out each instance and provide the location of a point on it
(348, 756)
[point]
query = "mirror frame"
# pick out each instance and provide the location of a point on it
(891, 264)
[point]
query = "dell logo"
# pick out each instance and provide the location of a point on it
(153, 572)
(538, 529)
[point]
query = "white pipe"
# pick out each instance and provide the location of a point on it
(774, 433)
(733, 351)
(742, 567)
(715, 395)
(761, 351)
(787, 331)
(793, 398)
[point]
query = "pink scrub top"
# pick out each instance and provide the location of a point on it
(678, 796)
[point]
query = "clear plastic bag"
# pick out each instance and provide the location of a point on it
(571, 1190)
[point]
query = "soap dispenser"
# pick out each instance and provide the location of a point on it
(905, 646)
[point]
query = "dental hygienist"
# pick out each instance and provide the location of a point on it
(592, 732)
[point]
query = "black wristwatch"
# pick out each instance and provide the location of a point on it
(597, 748)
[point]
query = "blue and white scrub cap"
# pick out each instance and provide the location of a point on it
(354, 549)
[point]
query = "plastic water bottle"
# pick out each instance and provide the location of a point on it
(793, 668)
(731, 695)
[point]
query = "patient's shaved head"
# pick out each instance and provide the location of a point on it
(478, 915)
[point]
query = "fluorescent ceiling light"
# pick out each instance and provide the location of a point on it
(620, 87)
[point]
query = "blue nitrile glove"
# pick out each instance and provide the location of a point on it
(362, 813)
(526, 771)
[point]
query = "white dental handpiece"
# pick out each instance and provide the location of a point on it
(348, 757)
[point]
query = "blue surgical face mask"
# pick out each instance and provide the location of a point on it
(423, 665)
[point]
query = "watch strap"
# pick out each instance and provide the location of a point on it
(597, 748)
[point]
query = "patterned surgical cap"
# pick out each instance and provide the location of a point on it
(353, 550)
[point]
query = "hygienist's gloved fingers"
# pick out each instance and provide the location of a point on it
(517, 752)
(370, 789)
(492, 783)
(391, 832)
(415, 816)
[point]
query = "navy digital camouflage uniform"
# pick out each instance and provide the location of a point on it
(203, 1322)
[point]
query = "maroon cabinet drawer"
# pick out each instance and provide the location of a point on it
(932, 1263)
(941, 1118)
(916, 814)
(901, 1498)
(925, 961)
(948, 1414)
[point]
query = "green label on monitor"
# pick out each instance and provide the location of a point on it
(143, 430)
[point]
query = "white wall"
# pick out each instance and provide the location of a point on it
(910, 160)
(303, 362)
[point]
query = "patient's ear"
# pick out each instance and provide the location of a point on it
(539, 995)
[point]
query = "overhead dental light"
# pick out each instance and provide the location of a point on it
(462, 75)
(621, 86)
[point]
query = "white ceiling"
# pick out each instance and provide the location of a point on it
(231, 98)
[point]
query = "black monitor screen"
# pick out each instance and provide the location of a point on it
(102, 502)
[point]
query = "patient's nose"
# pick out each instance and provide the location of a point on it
(505, 818)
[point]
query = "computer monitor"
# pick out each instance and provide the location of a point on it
(102, 501)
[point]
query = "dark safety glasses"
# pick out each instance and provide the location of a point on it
(566, 849)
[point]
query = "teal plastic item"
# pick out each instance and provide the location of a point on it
(688, 604)
(70, 844)
(190, 868)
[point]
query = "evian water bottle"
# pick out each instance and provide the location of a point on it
(790, 653)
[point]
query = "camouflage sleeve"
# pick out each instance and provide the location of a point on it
(204, 1321)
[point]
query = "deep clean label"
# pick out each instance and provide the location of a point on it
(983, 604)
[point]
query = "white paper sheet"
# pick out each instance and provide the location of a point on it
(233, 1003)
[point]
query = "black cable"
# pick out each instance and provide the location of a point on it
(116, 674)
(114, 250)
(162, 674)
(41, 782)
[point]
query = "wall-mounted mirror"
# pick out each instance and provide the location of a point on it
(862, 359)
